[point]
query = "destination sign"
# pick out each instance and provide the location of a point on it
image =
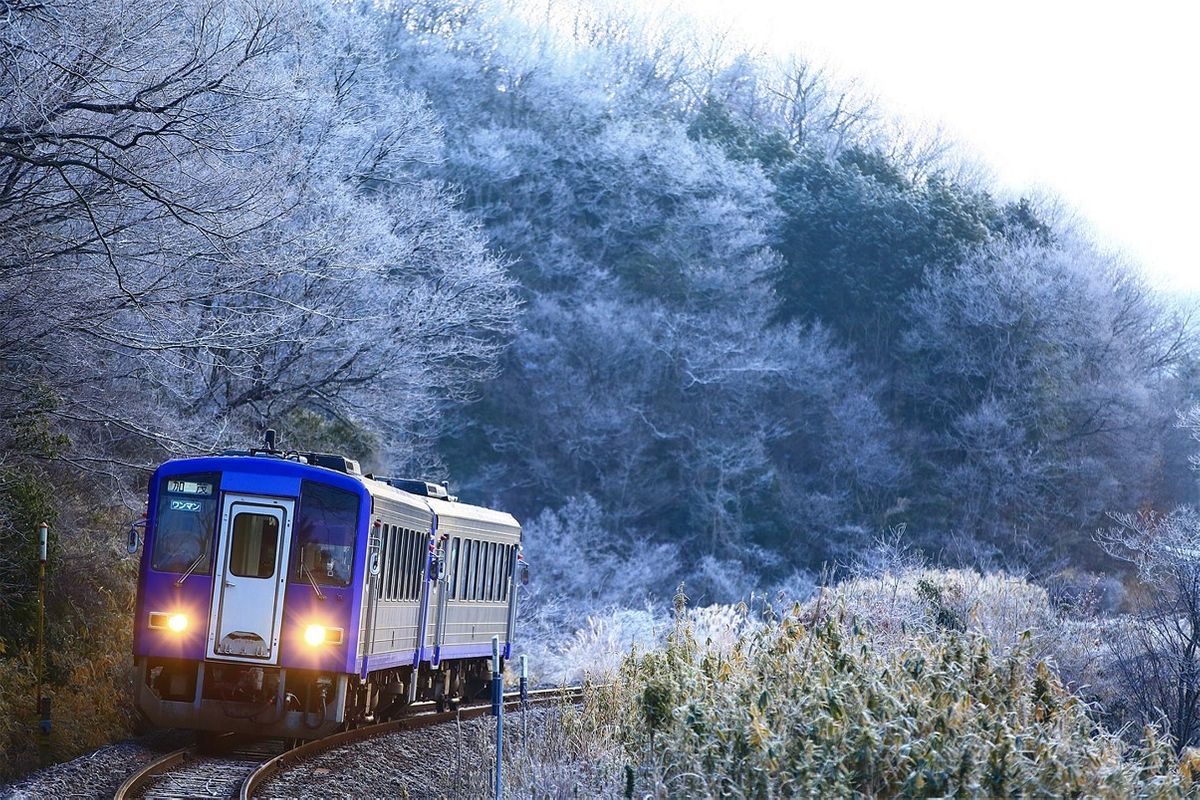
(190, 487)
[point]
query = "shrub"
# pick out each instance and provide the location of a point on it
(1003, 608)
(1155, 654)
(808, 706)
(89, 599)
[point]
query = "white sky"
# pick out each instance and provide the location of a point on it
(1096, 102)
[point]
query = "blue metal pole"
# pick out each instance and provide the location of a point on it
(498, 711)
(524, 678)
(525, 702)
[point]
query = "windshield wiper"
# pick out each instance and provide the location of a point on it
(191, 569)
(304, 568)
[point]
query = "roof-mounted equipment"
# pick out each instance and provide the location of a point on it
(441, 491)
(334, 462)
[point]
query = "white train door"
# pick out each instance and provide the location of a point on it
(250, 579)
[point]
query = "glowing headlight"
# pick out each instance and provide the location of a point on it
(174, 622)
(314, 634)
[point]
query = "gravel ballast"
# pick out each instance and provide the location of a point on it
(98, 774)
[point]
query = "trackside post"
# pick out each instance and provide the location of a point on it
(524, 685)
(43, 702)
(498, 712)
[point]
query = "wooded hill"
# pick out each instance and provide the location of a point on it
(686, 310)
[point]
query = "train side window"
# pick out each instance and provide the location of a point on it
(506, 576)
(500, 550)
(502, 559)
(476, 581)
(410, 562)
(411, 535)
(469, 569)
(481, 573)
(481, 576)
(423, 559)
(405, 564)
(385, 555)
(502, 593)
(460, 568)
(394, 567)
(386, 565)
(404, 536)
(480, 569)
(452, 569)
(476, 566)
(381, 579)
(491, 573)
(497, 572)
(455, 558)
(489, 558)
(409, 575)
(398, 566)
(512, 570)
(461, 591)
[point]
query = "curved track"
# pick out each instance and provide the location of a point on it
(238, 767)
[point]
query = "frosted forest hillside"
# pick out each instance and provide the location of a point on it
(690, 313)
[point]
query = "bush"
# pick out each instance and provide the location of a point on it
(1003, 608)
(89, 600)
(806, 706)
(91, 700)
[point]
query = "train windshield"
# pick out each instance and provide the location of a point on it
(185, 520)
(326, 527)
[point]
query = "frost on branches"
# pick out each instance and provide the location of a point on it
(212, 217)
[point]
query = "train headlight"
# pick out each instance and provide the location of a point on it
(314, 634)
(317, 635)
(162, 620)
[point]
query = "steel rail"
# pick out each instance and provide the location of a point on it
(138, 780)
(137, 783)
(289, 759)
(170, 762)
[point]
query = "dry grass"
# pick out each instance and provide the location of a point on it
(924, 685)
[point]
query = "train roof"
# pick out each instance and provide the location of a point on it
(345, 472)
(446, 510)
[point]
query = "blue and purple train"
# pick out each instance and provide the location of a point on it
(287, 594)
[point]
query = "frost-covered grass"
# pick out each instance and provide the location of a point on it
(1000, 607)
(922, 684)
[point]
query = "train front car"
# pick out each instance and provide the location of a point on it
(250, 595)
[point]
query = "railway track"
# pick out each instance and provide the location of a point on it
(237, 767)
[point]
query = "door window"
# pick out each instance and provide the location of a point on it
(254, 545)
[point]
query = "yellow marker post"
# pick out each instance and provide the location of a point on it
(43, 702)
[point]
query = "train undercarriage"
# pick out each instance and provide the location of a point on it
(302, 704)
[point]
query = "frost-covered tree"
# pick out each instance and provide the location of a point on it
(741, 287)
(649, 374)
(213, 215)
(1155, 655)
(1037, 374)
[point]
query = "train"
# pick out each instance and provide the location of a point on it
(288, 594)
